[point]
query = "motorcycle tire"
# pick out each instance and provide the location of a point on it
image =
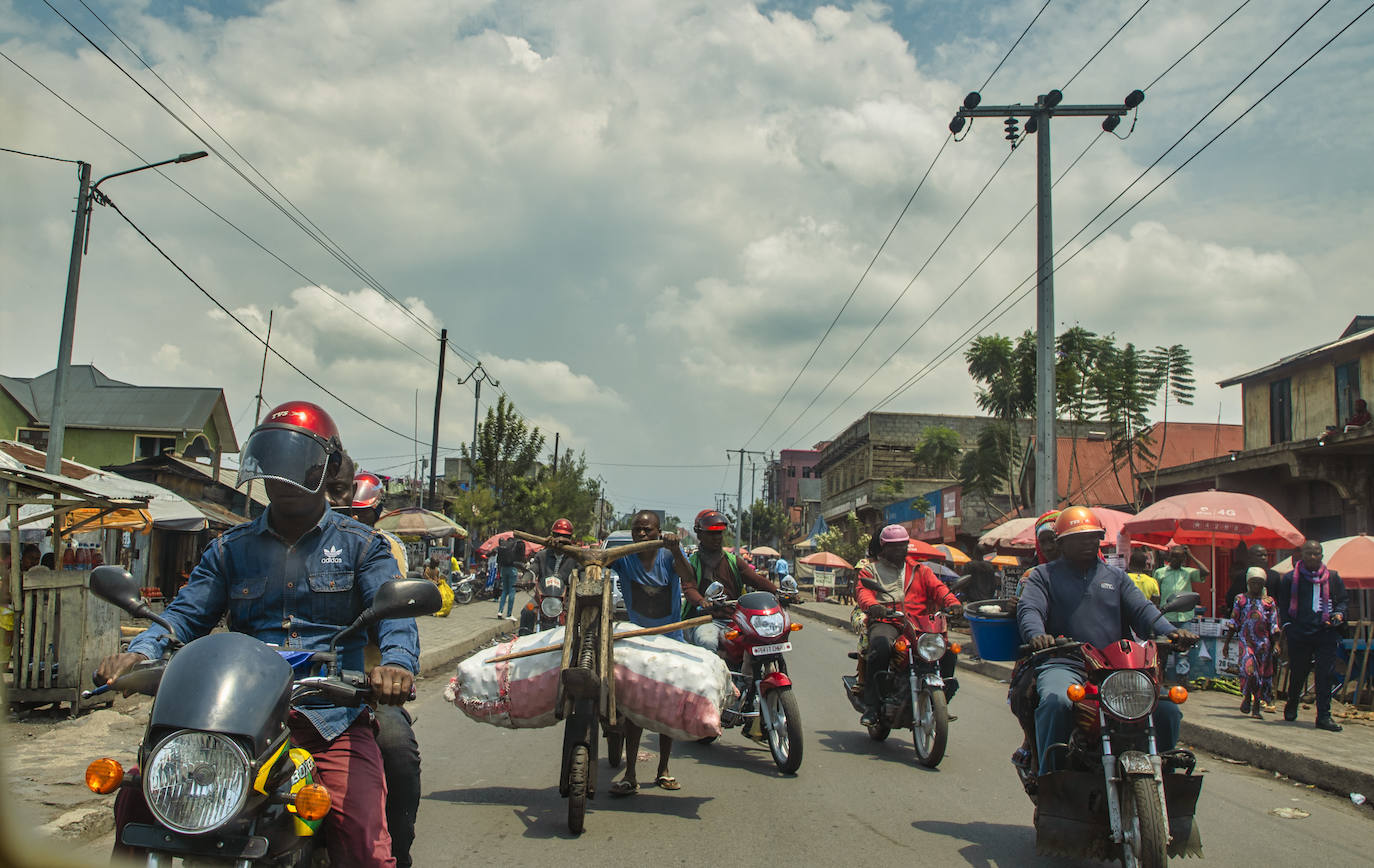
(785, 735)
(880, 732)
(615, 749)
(578, 770)
(463, 595)
(1141, 808)
(930, 742)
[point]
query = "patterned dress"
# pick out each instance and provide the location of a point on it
(1256, 622)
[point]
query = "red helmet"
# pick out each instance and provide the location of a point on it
(295, 443)
(367, 491)
(561, 527)
(1077, 519)
(709, 520)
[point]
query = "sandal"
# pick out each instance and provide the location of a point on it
(668, 782)
(622, 788)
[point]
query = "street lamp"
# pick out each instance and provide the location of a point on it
(57, 421)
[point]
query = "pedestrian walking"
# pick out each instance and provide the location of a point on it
(510, 554)
(1255, 618)
(1312, 604)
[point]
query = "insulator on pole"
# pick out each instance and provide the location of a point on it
(971, 101)
(1110, 123)
(1012, 125)
(956, 126)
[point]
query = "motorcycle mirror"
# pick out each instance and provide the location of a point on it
(405, 598)
(116, 586)
(715, 589)
(1184, 602)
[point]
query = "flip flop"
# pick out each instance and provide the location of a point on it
(668, 782)
(622, 788)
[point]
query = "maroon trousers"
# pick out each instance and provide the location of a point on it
(350, 766)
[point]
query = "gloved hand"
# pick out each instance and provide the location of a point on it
(955, 610)
(877, 610)
(1041, 642)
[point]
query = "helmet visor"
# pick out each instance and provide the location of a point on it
(285, 455)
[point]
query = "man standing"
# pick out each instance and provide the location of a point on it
(1255, 556)
(712, 563)
(1312, 606)
(1143, 580)
(294, 577)
(1177, 578)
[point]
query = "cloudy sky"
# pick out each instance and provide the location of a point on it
(641, 216)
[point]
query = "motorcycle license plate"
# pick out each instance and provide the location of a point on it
(762, 650)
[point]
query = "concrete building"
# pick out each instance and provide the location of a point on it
(1298, 453)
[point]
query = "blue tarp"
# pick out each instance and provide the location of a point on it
(905, 510)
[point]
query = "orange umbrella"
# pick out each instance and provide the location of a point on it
(1112, 520)
(953, 555)
(1003, 560)
(1352, 557)
(827, 559)
(921, 549)
(1214, 518)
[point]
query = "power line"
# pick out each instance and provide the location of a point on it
(1014, 44)
(1104, 45)
(39, 156)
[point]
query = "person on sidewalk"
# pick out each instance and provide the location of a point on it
(1255, 556)
(652, 583)
(1312, 604)
(1148, 585)
(1175, 577)
(510, 556)
(1255, 617)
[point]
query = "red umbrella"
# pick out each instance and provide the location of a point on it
(1351, 556)
(1213, 518)
(1112, 520)
(1001, 536)
(921, 549)
(827, 559)
(490, 545)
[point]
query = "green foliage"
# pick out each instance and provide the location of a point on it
(848, 539)
(986, 468)
(767, 521)
(937, 456)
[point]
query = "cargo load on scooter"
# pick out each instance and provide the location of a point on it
(661, 684)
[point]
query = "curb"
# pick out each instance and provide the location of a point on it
(442, 655)
(1326, 775)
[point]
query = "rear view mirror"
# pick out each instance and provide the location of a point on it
(715, 589)
(406, 598)
(1184, 602)
(116, 586)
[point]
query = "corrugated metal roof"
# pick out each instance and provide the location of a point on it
(97, 401)
(1295, 358)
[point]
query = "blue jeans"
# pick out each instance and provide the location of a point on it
(1054, 715)
(506, 604)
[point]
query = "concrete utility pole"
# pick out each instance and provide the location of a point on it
(438, 397)
(476, 402)
(739, 493)
(86, 193)
(257, 414)
(1038, 121)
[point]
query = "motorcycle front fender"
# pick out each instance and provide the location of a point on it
(774, 680)
(933, 681)
(1135, 764)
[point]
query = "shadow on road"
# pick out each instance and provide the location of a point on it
(896, 747)
(992, 845)
(731, 751)
(545, 814)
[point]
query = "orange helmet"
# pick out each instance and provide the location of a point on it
(1077, 519)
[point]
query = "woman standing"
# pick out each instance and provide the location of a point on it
(1255, 616)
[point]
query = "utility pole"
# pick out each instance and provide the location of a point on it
(438, 397)
(476, 403)
(555, 453)
(257, 415)
(1038, 117)
(739, 493)
(753, 481)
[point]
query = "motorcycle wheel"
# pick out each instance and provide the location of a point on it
(930, 729)
(1142, 817)
(463, 595)
(577, 789)
(785, 735)
(880, 732)
(615, 749)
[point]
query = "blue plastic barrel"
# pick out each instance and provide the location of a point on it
(996, 636)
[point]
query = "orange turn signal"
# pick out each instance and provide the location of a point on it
(1178, 694)
(1077, 692)
(732, 635)
(529, 607)
(312, 802)
(901, 645)
(795, 626)
(956, 648)
(104, 776)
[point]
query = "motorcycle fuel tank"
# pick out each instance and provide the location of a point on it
(225, 682)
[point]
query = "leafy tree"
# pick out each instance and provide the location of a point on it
(937, 456)
(986, 469)
(765, 523)
(1174, 366)
(1005, 373)
(505, 461)
(848, 539)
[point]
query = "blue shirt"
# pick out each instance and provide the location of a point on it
(296, 596)
(1096, 607)
(780, 567)
(660, 578)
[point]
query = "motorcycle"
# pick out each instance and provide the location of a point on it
(1115, 796)
(472, 587)
(912, 694)
(546, 611)
(216, 765)
(754, 641)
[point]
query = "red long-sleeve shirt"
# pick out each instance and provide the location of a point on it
(925, 594)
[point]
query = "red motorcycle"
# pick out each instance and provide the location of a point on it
(1115, 796)
(754, 640)
(912, 693)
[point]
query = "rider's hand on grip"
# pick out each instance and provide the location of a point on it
(956, 609)
(391, 685)
(116, 665)
(1041, 642)
(876, 611)
(1185, 638)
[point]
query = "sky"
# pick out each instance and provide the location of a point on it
(641, 216)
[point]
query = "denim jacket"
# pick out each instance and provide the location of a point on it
(294, 596)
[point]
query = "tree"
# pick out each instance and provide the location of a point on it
(764, 522)
(985, 469)
(505, 460)
(1174, 366)
(1005, 373)
(937, 456)
(846, 539)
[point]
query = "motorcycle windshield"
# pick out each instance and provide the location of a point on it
(225, 682)
(759, 601)
(929, 623)
(551, 586)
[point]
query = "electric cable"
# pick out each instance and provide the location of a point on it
(39, 156)
(1104, 45)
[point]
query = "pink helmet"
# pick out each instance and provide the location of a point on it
(894, 533)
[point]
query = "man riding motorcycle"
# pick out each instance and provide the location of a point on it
(890, 578)
(712, 563)
(551, 561)
(1079, 596)
(293, 577)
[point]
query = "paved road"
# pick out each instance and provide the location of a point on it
(490, 795)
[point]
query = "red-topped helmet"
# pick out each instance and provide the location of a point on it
(1077, 519)
(709, 520)
(561, 527)
(294, 444)
(367, 491)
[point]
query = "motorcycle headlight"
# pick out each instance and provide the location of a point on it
(1128, 694)
(931, 647)
(196, 782)
(767, 625)
(552, 607)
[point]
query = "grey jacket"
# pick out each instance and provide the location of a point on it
(1097, 607)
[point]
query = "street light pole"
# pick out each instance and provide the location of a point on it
(57, 420)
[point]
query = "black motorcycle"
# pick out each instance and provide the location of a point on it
(546, 610)
(217, 767)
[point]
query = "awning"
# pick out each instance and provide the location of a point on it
(216, 514)
(168, 510)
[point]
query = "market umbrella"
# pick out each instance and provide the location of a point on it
(953, 555)
(1001, 536)
(492, 542)
(767, 551)
(1213, 518)
(1003, 560)
(414, 521)
(942, 571)
(1350, 556)
(920, 549)
(827, 559)
(1112, 520)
